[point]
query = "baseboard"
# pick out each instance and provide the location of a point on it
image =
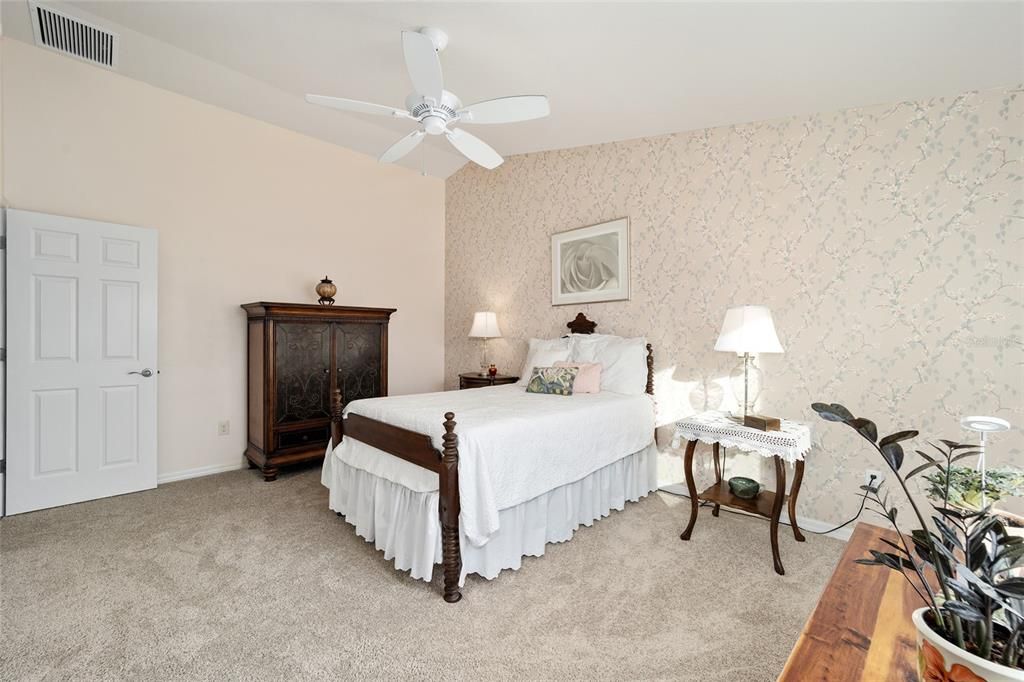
(197, 472)
(809, 524)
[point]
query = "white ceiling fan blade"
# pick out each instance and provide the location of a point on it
(356, 105)
(474, 149)
(423, 63)
(506, 109)
(402, 147)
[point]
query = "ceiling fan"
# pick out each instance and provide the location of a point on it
(437, 110)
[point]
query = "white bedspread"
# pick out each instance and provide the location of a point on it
(513, 445)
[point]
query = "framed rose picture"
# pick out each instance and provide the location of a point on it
(590, 264)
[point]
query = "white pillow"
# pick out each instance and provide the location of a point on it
(543, 353)
(623, 361)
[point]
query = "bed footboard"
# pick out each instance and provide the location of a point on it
(418, 449)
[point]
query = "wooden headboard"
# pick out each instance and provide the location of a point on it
(581, 325)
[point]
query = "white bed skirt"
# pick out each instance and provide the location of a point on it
(404, 524)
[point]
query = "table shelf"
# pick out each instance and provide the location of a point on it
(761, 505)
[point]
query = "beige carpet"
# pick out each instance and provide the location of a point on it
(228, 577)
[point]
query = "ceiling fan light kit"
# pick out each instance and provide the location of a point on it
(438, 111)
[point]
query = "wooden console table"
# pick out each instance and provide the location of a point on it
(861, 627)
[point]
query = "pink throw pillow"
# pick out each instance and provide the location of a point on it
(588, 380)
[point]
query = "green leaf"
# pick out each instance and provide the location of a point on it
(893, 453)
(833, 413)
(950, 512)
(953, 445)
(891, 560)
(977, 583)
(963, 455)
(898, 548)
(924, 467)
(964, 591)
(962, 610)
(897, 437)
(864, 427)
(1011, 554)
(949, 536)
(1012, 587)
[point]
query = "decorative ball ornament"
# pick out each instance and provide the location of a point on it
(326, 291)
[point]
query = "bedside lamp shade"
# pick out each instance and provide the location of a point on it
(485, 326)
(748, 329)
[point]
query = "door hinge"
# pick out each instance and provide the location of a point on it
(3, 467)
(3, 242)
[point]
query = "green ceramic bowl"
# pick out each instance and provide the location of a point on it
(744, 488)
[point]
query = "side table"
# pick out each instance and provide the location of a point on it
(789, 444)
(477, 380)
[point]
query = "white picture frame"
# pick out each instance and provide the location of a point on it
(591, 264)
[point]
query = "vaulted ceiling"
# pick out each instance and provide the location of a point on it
(612, 71)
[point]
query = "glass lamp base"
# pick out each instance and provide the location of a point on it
(746, 375)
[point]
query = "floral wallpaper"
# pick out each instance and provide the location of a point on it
(888, 241)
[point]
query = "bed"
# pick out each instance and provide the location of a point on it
(502, 486)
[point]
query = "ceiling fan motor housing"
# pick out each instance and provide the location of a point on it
(431, 114)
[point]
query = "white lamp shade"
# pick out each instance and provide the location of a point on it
(748, 329)
(485, 326)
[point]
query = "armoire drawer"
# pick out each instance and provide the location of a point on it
(301, 437)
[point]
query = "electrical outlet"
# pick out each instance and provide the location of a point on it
(879, 477)
(223, 428)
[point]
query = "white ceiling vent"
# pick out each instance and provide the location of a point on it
(70, 35)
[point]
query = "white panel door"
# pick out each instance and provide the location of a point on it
(81, 360)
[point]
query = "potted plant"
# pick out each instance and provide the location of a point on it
(962, 563)
(966, 490)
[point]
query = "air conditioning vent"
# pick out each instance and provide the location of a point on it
(64, 33)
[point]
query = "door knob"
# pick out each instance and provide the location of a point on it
(146, 372)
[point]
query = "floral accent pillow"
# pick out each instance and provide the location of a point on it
(552, 380)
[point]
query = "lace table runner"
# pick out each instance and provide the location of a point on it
(790, 443)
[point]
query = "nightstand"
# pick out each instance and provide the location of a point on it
(475, 380)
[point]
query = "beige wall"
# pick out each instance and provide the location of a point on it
(886, 241)
(245, 212)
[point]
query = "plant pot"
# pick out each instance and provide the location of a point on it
(939, 660)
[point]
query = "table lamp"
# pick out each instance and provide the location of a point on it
(748, 329)
(485, 326)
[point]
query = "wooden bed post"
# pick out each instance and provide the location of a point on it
(337, 408)
(448, 508)
(650, 370)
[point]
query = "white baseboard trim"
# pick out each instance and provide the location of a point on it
(809, 524)
(197, 472)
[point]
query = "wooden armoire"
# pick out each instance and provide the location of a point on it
(298, 354)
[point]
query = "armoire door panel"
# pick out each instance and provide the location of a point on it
(303, 365)
(358, 360)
